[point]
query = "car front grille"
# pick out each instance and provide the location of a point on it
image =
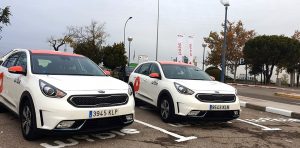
(98, 100)
(216, 98)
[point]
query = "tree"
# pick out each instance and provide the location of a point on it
(94, 34)
(215, 72)
(296, 36)
(271, 51)
(237, 36)
(114, 56)
(4, 17)
(57, 43)
(89, 50)
(88, 40)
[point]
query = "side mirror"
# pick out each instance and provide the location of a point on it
(154, 75)
(213, 78)
(16, 70)
(1, 61)
(107, 72)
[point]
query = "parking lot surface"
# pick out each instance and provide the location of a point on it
(253, 129)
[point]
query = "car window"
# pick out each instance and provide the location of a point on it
(187, 72)
(64, 65)
(145, 69)
(22, 61)
(11, 60)
(138, 69)
(154, 69)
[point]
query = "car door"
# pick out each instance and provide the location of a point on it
(141, 81)
(19, 79)
(7, 80)
(152, 85)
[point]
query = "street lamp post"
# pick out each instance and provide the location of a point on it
(129, 39)
(203, 45)
(125, 29)
(226, 4)
(157, 25)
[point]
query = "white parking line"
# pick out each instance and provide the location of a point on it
(179, 137)
(264, 128)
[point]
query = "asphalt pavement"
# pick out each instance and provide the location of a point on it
(253, 129)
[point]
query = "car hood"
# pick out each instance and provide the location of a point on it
(201, 85)
(84, 83)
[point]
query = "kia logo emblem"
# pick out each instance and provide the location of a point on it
(101, 91)
(217, 92)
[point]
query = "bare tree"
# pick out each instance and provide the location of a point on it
(94, 33)
(57, 43)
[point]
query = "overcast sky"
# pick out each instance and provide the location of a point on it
(33, 21)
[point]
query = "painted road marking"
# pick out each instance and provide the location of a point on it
(264, 128)
(179, 137)
(89, 138)
(273, 120)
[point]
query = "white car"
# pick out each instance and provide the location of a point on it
(179, 89)
(62, 92)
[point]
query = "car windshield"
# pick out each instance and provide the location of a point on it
(188, 72)
(64, 65)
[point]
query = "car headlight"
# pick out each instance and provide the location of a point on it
(51, 91)
(130, 91)
(183, 90)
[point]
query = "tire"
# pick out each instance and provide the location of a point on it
(137, 101)
(2, 108)
(28, 121)
(166, 109)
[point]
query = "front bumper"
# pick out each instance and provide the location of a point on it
(185, 105)
(50, 112)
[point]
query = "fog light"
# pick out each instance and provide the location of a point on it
(193, 113)
(65, 124)
(129, 117)
(236, 112)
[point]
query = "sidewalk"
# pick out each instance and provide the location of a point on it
(288, 110)
(262, 86)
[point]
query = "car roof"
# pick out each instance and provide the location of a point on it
(51, 52)
(174, 63)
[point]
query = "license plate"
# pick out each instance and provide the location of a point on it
(219, 107)
(103, 113)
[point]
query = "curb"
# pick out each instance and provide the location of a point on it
(273, 110)
(288, 95)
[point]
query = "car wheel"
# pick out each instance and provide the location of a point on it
(2, 108)
(136, 100)
(28, 121)
(166, 109)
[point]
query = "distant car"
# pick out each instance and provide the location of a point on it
(179, 89)
(62, 92)
(125, 73)
(106, 70)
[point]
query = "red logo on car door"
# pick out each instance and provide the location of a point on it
(1, 82)
(137, 83)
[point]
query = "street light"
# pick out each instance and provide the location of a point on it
(157, 25)
(203, 45)
(226, 4)
(129, 39)
(125, 29)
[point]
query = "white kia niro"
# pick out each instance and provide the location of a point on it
(62, 92)
(179, 89)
